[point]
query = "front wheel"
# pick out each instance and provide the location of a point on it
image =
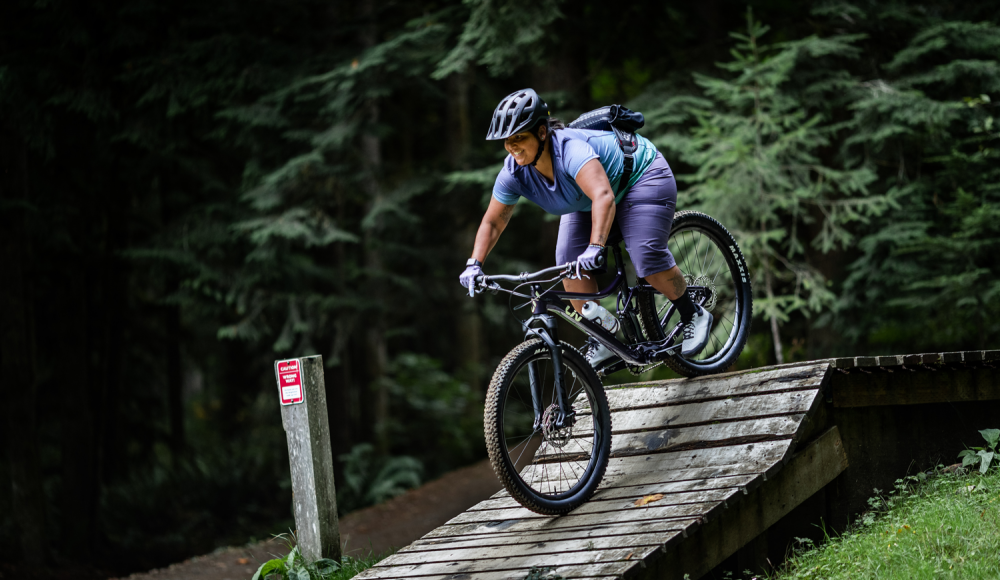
(709, 257)
(546, 469)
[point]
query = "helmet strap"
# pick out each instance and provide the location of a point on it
(541, 144)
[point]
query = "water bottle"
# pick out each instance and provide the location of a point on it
(596, 313)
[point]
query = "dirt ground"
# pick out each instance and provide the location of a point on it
(392, 524)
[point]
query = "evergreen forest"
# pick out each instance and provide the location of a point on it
(190, 191)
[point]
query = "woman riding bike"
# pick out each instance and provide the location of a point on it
(574, 173)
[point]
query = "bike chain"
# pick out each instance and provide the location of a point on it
(638, 370)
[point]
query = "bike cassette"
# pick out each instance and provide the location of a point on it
(556, 436)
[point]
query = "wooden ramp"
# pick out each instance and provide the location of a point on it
(722, 452)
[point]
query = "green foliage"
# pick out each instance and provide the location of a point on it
(370, 478)
(173, 508)
(500, 35)
(444, 415)
(944, 526)
(755, 144)
(982, 456)
(929, 124)
(294, 566)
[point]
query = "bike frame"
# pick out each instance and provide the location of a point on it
(542, 324)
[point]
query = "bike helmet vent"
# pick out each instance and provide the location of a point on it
(518, 111)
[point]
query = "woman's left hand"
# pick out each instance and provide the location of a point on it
(591, 258)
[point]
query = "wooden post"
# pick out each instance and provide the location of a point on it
(302, 392)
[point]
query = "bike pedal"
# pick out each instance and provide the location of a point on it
(657, 351)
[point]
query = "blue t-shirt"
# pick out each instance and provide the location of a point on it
(571, 149)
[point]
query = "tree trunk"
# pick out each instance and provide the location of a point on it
(469, 323)
(172, 324)
(175, 395)
(779, 356)
(17, 361)
(75, 382)
(371, 150)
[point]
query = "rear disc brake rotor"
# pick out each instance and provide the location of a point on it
(706, 283)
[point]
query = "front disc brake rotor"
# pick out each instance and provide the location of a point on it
(558, 438)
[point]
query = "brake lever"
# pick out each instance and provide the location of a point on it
(577, 275)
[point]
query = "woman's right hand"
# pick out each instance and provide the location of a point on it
(468, 277)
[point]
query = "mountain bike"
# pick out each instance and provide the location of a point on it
(547, 423)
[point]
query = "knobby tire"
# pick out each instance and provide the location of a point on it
(501, 388)
(708, 234)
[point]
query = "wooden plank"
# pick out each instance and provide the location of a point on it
(679, 391)
(678, 476)
(706, 436)
(865, 361)
(807, 472)
(676, 416)
(489, 531)
(916, 388)
(632, 491)
(509, 563)
(603, 571)
(645, 442)
(588, 512)
(753, 457)
(952, 357)
(663, 529)
(537, 548)
(550, 524)
(695, 496)
(889, 361)
(738, 482)
(843, 363)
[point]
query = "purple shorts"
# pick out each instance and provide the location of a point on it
(643, 218)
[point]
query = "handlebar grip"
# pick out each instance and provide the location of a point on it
(602, 259)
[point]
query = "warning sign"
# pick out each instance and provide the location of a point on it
(289, 381)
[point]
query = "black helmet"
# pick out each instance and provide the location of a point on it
(518, 111)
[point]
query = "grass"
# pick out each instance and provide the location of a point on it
(351, 567)
(294, 566)
(942, 526)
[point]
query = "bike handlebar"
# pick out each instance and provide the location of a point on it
(527, 276)
(567, 270)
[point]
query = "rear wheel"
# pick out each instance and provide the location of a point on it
(547, 470)
(709, 257)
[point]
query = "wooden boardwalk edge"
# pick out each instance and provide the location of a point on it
(808, 471)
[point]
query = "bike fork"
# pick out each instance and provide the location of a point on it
(548, 334)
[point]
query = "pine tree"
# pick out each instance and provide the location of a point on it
(929, 276)
(756, 145)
